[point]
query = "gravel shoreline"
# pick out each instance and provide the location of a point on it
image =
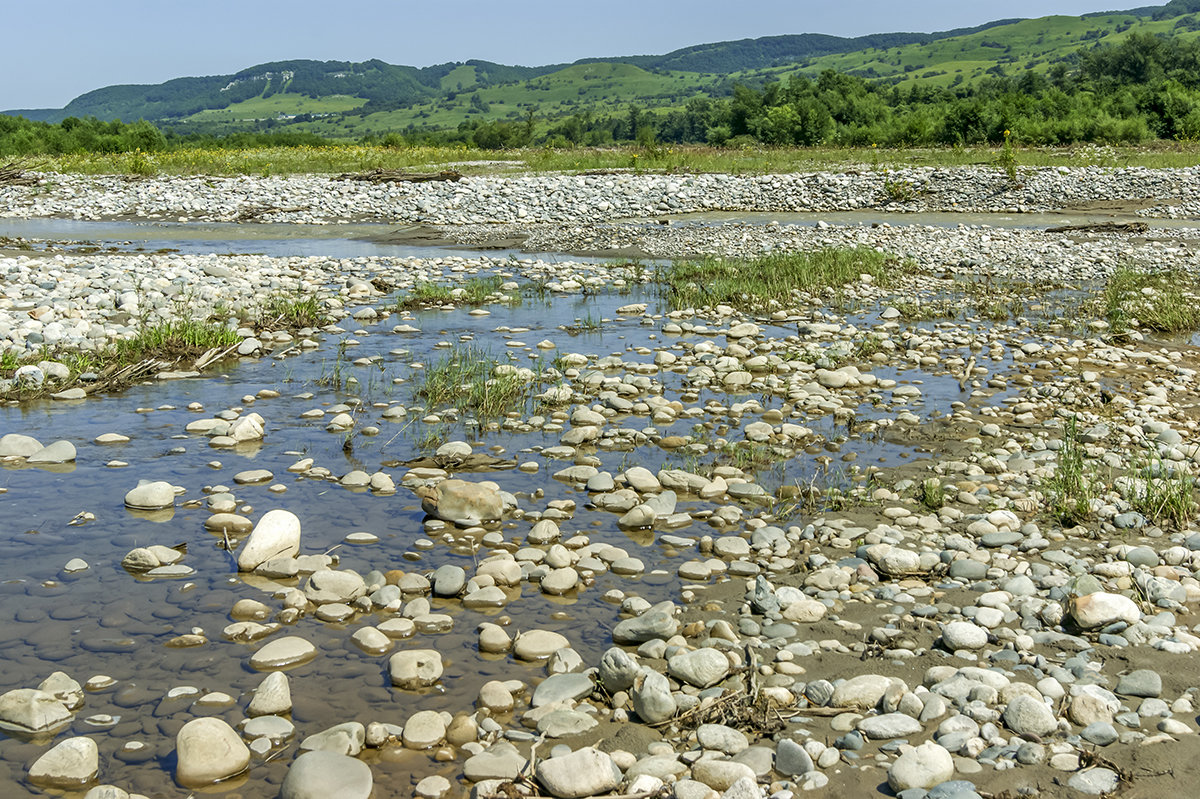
(1162, 193)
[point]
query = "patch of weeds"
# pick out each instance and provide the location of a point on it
(424, 294)
(771, 280)
(475, 291)
(465, 379)
(1070, 486)
(1156, 299)
(182, 338)
(931, 493)
(332, 378)
(900, 191)
(1164, 494)
(290, 311)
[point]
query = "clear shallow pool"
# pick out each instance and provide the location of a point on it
(107, 621)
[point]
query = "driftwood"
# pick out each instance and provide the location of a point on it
(253, 214)
(1102, 227)
(400, 176)
(13, 174)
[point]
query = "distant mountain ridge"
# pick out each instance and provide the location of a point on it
(386, 85)
(351, 99)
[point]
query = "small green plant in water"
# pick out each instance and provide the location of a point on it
(465, 379)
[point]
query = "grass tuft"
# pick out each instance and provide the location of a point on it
(1156, 299)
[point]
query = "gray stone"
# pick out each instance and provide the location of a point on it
(618, 670)
(273, 697)
(720, 774)
(652, 700)
(31, 710)
(1142, 682)
(1095, 782)
(562, 688)
(283, 653)
(449, 580)
(1026, 715)
(791, 759)
(151, 495)
(923, 766)
(721, 738)
(58, 452)
(342, 739)
(276, 535)
(500, 761)
(657, 622)
(415, 668)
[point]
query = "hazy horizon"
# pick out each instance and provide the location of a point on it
(137, 42)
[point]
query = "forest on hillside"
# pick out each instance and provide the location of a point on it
(1146, 87)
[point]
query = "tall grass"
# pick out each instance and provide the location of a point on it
(1070, 487)
(290, 311)
(182, 338)
(337, 158)
(1160, 300)
(772, 280)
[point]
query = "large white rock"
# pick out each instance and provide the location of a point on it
(151, 495)
(58, 452)
(587, 772)
(424, 730)
(72, 763)
(208, 751)
(323, 775)
(277, 534)
(462, 502)
(18, 446)
(31, 710)
(1100, 609)
(921, 767)
(273, 697)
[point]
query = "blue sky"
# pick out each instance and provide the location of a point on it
(56, 50)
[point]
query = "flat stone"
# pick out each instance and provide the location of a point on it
(888, 725)
(923, 766)
(562, 688)
(701, 667)
(538, 644)
(31, 710)
(283, 653)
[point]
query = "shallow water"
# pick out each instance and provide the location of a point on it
(106, 621)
